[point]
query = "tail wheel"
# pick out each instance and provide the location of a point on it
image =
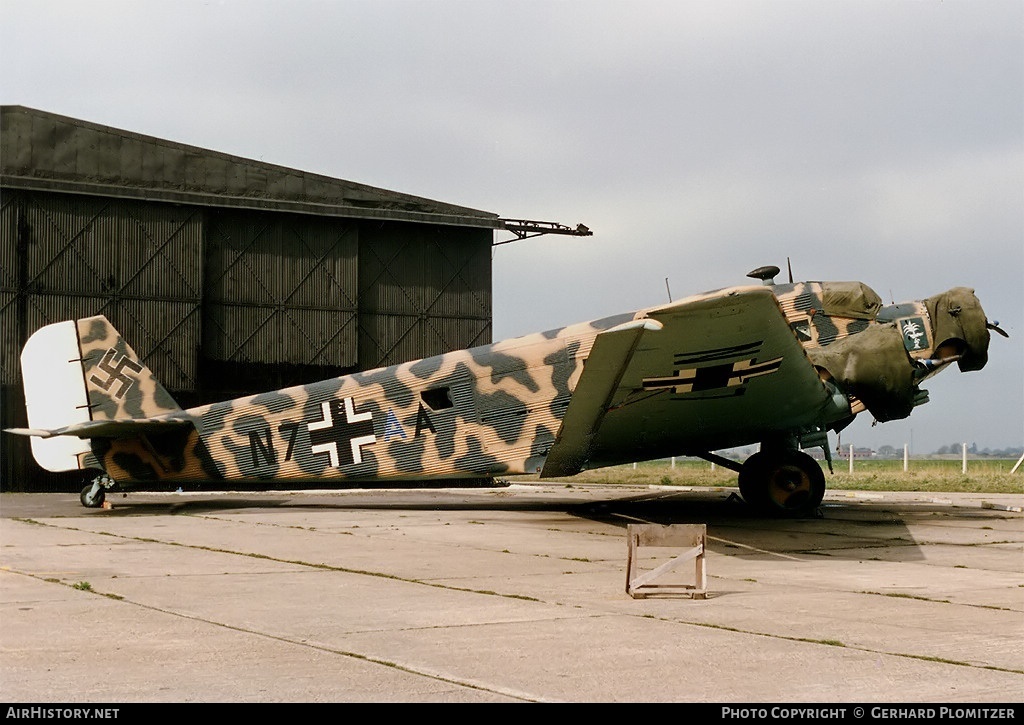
(95, 493)
(90, 499)
(784, 482)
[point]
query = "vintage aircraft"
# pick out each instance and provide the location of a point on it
(776, 364)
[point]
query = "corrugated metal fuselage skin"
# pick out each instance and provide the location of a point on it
(487, 411)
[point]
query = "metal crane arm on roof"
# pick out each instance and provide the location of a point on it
(526, 228)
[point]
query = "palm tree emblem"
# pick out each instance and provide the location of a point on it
(912, 330)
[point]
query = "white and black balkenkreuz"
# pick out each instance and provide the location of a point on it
(341, 432)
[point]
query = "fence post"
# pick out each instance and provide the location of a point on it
(963, 467)
(851, 458)
(905, 457)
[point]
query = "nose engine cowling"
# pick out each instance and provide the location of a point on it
(959, 324)
(874, 365)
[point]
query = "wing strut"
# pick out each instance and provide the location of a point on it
(721, 461)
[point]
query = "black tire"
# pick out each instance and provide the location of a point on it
(782, 483)
(795, 484)
(92, 502)
(752, 480)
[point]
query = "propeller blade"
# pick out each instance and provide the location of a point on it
(994, 325)
(926, 366)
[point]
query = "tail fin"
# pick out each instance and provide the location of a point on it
(79, 371)
(118, 384)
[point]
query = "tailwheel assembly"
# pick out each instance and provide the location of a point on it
(95, 492)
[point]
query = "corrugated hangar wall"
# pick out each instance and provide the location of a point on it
(221, 296)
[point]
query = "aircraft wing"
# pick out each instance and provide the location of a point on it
(707, 372)
(608, 361)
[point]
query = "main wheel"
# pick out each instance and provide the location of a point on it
(91, 500)
(795, 484)
(782, 482)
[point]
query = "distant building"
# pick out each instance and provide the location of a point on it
(888, 452)
(844, 453)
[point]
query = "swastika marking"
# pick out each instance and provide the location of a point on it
(116, 372)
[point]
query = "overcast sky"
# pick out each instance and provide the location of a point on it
(879, 141)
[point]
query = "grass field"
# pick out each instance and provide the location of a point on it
(931, 475)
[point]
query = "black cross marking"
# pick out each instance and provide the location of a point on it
(115, 371)
(341, 432)
(713, 377)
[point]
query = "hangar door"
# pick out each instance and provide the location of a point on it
(279, 300)
(423, 290)
(80, 256)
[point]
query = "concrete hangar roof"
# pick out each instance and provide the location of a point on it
(42, 151)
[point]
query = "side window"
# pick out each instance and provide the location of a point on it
(437, 398)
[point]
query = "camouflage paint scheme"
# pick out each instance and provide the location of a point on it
(749, 364)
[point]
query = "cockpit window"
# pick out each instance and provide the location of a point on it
(894, 312)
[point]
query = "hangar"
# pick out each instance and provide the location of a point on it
(228, 275)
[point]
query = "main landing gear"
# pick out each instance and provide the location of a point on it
(95, 493)
(779, 480)
(782, 481)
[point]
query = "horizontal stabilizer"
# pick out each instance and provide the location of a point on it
(107, 428)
